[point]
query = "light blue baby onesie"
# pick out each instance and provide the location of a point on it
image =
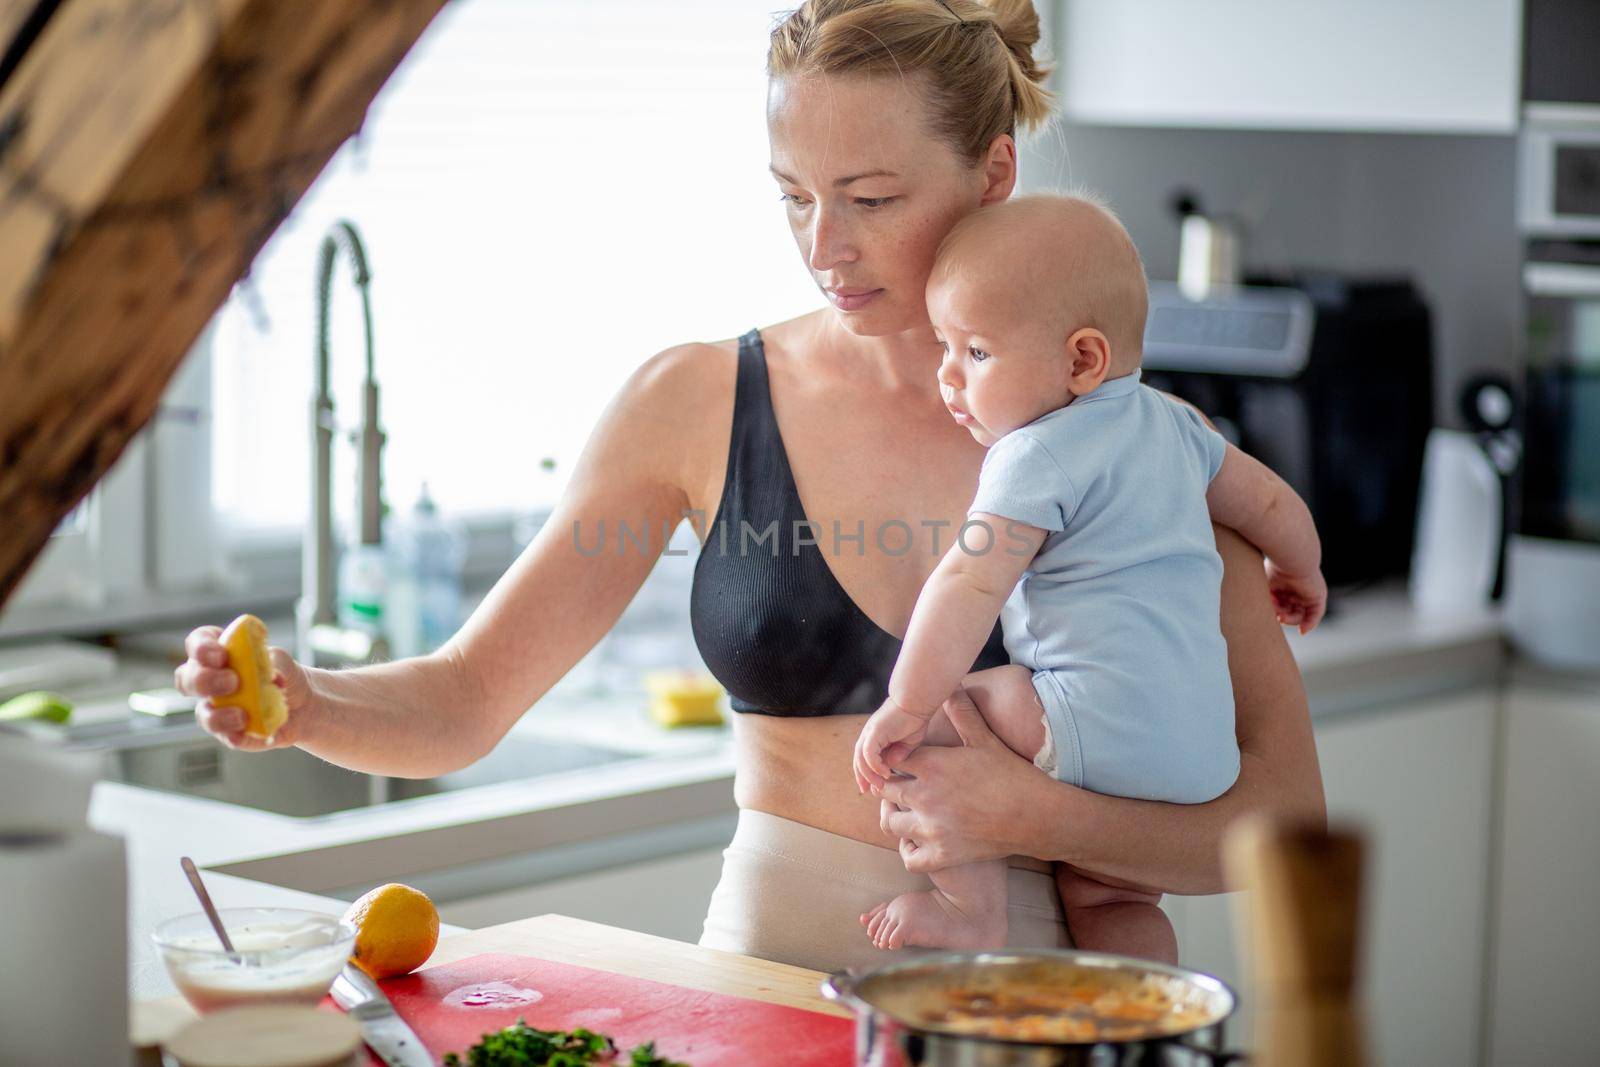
(1118, 615)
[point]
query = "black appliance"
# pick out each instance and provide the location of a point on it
(1559, 38)
(1327, 379)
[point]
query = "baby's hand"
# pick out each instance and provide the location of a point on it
(1300, 599)
(889, 725)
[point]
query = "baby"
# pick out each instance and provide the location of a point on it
(1099, 494)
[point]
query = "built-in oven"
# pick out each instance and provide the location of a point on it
(1553, 559)
(1558, 170)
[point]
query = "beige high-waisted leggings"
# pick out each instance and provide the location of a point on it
(794, 894)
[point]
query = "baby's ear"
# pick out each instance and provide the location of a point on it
(1090, 355)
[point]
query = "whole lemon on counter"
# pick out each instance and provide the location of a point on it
(397, 928)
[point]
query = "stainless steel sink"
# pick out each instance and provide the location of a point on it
(291, 782)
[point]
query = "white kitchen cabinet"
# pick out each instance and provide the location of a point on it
(1546, 954)
(1374, 65)
(666, 897)
(1418, 778)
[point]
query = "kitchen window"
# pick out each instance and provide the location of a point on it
(549, 193)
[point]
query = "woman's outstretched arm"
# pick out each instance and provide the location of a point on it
(432, 714)
(983, 801)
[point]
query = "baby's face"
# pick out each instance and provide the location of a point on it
(1003, 366)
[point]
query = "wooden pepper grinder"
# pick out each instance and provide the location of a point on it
(1302, 912)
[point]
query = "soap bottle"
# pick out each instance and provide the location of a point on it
(426, 558)
(363, 588)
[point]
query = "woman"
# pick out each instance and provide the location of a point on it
(889, 121)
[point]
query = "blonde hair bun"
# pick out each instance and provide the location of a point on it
(976, 58)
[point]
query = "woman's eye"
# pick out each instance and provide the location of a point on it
(790, 198)
(874, 201)
(978, 355)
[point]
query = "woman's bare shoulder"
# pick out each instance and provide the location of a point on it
(679, 408)
(691, 386)
(696, 370)
(681, 399)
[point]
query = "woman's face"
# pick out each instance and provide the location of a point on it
(870, 193)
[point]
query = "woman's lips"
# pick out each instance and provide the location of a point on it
(852, 299)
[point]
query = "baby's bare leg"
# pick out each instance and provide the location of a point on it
(1106, 918)
(966, 909)
(1005, 698)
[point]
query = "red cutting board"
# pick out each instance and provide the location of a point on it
(451, 1006)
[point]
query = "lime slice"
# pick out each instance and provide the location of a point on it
(51, 707)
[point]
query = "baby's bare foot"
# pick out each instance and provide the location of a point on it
(932, 920)
(874, 920)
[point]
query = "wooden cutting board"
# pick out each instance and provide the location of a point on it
(452, 1005)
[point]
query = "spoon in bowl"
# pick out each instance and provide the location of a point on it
(193, 875)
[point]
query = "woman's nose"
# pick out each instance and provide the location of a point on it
(830, 242)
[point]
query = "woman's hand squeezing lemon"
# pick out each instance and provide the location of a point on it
(253, 696)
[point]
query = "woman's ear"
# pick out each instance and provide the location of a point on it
(999, 170)
(1089, 356)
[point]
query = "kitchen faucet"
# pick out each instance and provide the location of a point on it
(321, 641)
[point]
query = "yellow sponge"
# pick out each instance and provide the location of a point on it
(264, 707)
(684, 698)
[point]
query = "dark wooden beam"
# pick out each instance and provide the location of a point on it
(148, 149)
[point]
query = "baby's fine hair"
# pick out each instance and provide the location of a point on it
(1066, 255)
(972, 60)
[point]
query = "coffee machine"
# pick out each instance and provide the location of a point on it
(1326, 378)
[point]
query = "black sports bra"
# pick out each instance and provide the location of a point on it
(771, 621)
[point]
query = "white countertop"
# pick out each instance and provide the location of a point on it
(1382, 622)
(367, 847)
(1375, 648)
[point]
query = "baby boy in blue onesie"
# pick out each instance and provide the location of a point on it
(1090, 537)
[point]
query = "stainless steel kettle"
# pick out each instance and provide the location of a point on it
(1209, 248)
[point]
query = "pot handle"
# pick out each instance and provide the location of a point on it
(841, 989)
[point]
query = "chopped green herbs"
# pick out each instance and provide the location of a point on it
(645, 1056)
(522, 1045)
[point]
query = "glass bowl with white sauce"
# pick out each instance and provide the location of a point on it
(280, 956)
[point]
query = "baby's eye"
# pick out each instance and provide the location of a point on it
(978, 355)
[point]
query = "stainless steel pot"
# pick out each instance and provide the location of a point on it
(895, 1005)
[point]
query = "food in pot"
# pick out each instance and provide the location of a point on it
(1080, 1012)
(1045, 1000)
